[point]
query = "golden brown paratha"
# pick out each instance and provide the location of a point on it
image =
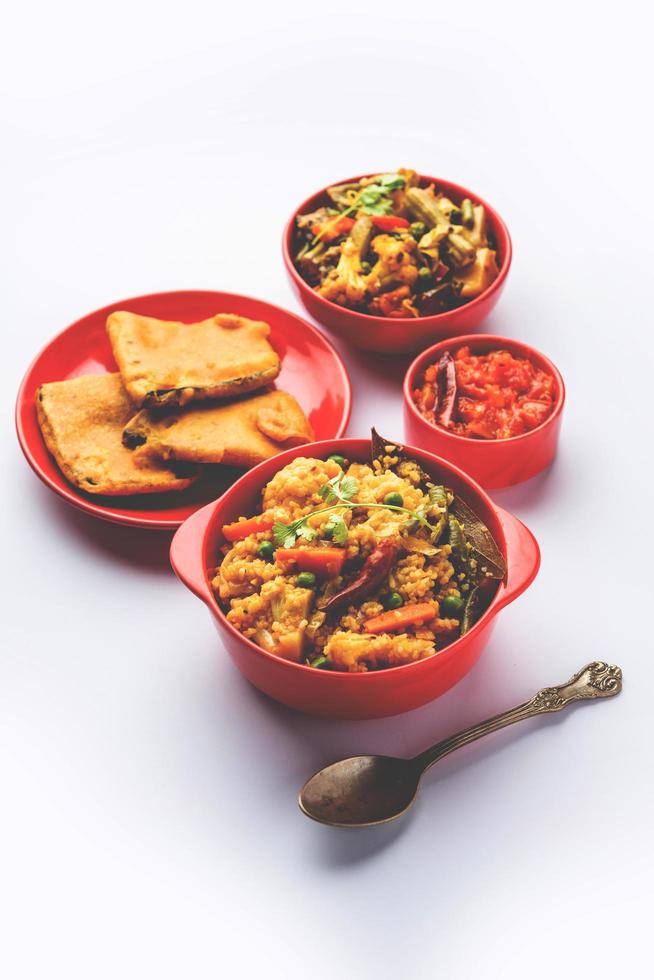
(167, 363)
(241, 433)
(82, 422)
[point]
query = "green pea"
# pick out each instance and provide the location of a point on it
(418, 229)
(366, 268)
(337, 458)
(451, 606)
(394, 499)
(266, 550)
(306, 580)
(392, 601)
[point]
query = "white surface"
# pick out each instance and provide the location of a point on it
(149, 823)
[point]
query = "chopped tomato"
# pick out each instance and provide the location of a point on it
(332, 228)
(242, 529)
(326, 562)
(389, 222)
(498, 395)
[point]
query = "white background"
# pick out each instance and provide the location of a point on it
(149, 822)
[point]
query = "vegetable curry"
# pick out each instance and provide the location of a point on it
(388, 246)
(357, 567)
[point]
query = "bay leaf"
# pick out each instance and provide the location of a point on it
(489, 557)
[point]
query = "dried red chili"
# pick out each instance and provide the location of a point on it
(496, 395)
(375, 569)
(446, 389)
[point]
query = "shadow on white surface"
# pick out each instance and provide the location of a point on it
(137, 548)
(530, 496)
(334, 847)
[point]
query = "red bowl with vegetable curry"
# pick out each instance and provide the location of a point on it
(198, 546)
(394, 332)
(469, 438)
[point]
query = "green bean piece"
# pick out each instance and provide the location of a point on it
(460, 250)
(361, 234)
(467, 213)
(471, 611)
(318, 662)
(423, 207)
(458, 544)
(438, 498)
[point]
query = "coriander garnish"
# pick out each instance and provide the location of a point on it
(338, 492)
(374, 199)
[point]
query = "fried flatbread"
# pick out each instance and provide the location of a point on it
(241, 433)
(166, 363)
(82, 421)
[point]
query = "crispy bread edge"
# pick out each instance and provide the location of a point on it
(180, 483)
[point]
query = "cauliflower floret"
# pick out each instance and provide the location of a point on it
(396, 263)
(355, 652)
(294, 490)
(346, 284)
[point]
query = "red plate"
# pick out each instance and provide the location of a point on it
(312, 371)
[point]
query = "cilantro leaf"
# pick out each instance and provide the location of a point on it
(348, 487)
(305, 532)
(285, 535)
(374, 200)
(340, 487)
(338, 529)
(328, 490)
(392, 182)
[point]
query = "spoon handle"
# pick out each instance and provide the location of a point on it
(595, 680)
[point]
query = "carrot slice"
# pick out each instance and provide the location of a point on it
(399, 619)
(242, 529)
(327, 562)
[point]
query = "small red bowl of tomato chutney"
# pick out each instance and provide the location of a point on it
(489, 404)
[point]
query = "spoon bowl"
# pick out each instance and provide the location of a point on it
(361, 791)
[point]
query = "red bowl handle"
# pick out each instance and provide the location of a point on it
(523, 558)
(186, 552)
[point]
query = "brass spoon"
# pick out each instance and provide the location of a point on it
(372, 789)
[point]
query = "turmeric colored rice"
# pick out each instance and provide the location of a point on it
(382, 554)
